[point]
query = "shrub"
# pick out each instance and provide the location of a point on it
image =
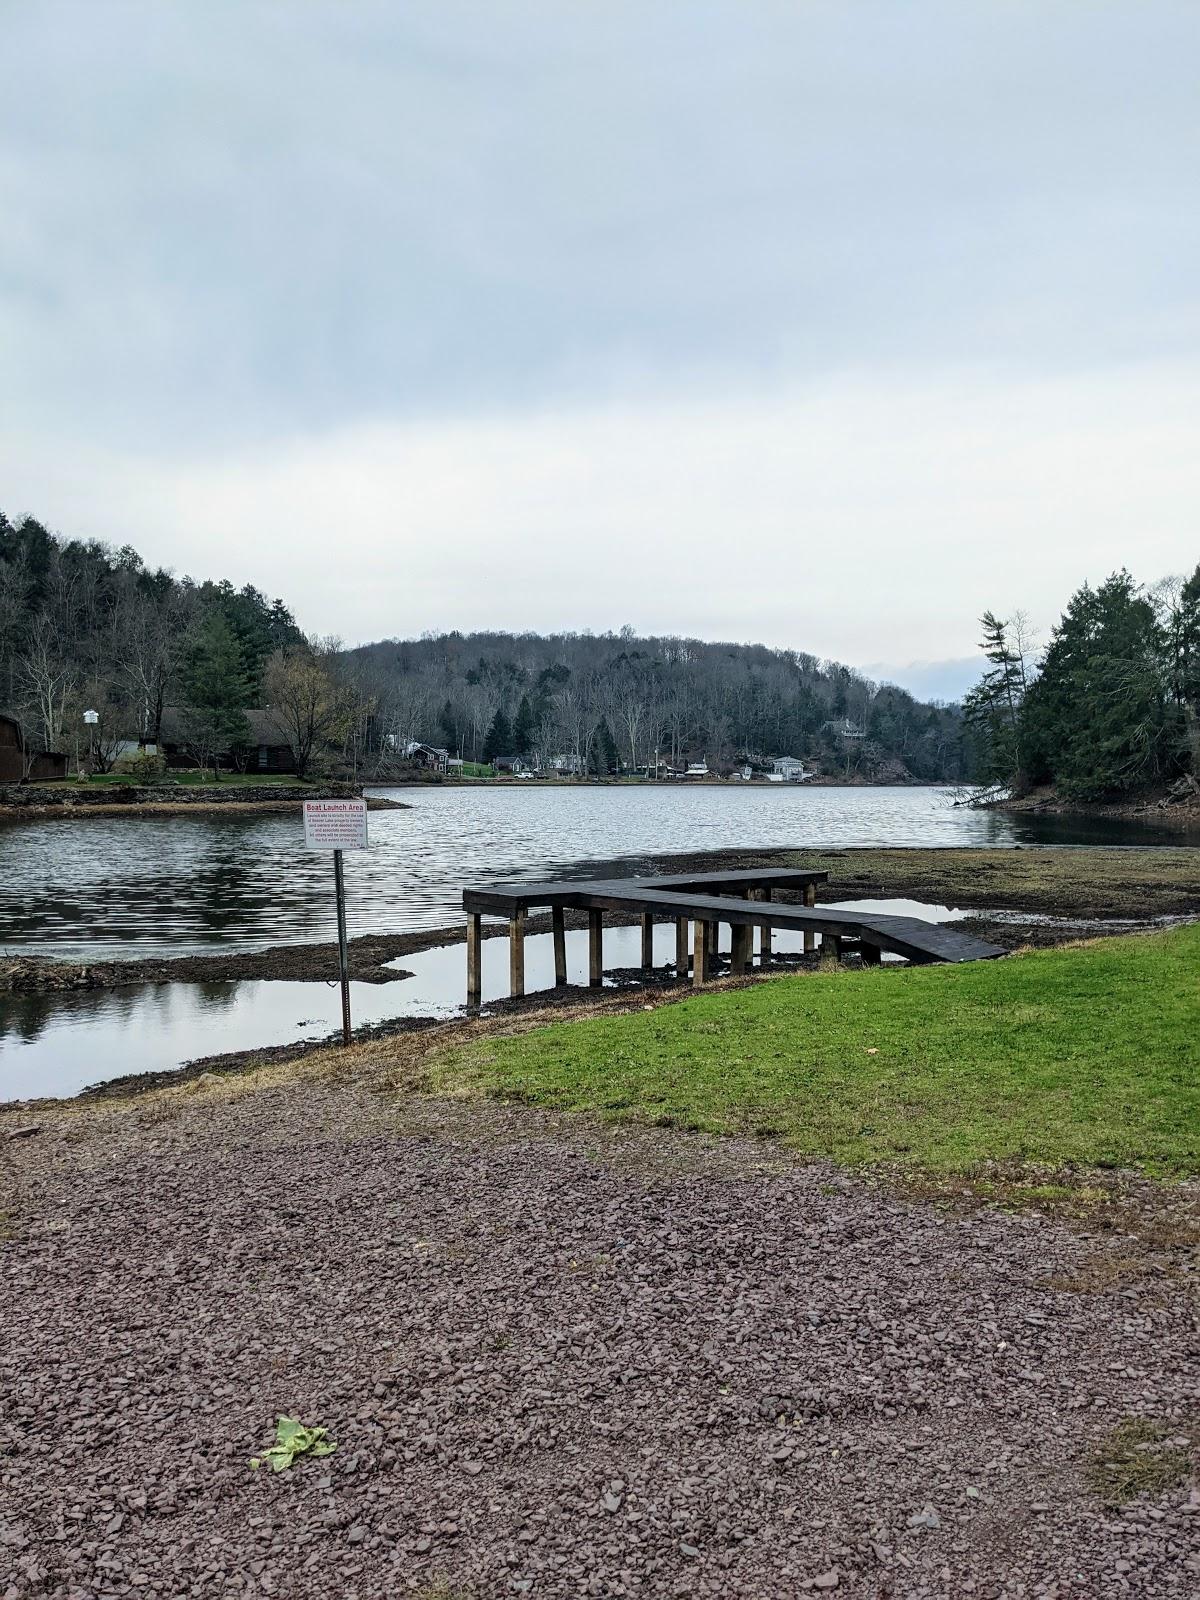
(142, 767)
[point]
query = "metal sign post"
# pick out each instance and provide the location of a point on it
(338, 825)
(343, 952)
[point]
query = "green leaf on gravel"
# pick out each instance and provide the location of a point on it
(293, 1439)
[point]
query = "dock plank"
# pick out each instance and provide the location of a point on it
(681, 896)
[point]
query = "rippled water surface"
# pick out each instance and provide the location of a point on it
(85, 888)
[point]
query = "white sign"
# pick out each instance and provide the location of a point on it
(335, 824)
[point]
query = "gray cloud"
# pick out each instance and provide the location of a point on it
(261, 216)
(234, 234)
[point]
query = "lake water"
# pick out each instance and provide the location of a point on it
(123, 886)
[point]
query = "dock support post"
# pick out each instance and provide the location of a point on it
(516, 953)
(474, 958)
(712, 932)
(831, 946)
(558, 924)
(764, 933)
(810, 899)
(872, 955)
(647, 941)
(681, 947)
(700, 953)
(741, 943)
(595, 949)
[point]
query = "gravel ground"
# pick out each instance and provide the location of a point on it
(557, 1360)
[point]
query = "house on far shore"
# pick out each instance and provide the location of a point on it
(511, 764)
(572, 765)
(697, 769)
(429, 756)
(15, 754)
(843, 728)
(264, 749)
(789, 769)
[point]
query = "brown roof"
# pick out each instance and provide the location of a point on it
(262, 722)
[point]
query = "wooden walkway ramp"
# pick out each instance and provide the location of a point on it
(701, 902)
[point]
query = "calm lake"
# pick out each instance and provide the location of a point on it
(83, 889)
(178, 885)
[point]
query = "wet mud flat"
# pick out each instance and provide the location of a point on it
(558, 1360)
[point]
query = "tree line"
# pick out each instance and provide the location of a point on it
(1112, 705)
(84, 627)
(603, 701)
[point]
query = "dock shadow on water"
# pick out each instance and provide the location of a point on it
(54, 1044)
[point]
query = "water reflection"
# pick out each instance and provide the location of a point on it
(177, 885)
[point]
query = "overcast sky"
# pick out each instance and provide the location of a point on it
(827, 325)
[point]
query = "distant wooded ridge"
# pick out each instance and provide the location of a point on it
(85, 627)
(600, 702)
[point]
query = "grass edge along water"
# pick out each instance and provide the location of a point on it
(1083, 1056)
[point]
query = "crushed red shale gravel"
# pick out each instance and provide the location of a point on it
(556, 1361)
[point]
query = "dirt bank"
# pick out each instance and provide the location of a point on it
(166, 799)
(1076, 887)
(558, 1360)
(1177, 806)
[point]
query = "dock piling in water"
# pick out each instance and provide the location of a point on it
(516, 953)
(474, 957)
(595, 949)
(700, 953)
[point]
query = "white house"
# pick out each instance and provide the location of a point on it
(789, 769)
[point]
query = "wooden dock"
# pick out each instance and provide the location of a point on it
(697, 904)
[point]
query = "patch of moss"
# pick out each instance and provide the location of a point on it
(1139, 1456)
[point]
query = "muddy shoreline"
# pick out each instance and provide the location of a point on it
(206, 806)
(1178, 807)
(1135, 886)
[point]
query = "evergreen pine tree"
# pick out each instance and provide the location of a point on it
(215, 691)
(499, 737)
(523, 729)
(1097, 721)
(993, 708)
(604, 751)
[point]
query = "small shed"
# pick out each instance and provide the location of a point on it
(15, 756)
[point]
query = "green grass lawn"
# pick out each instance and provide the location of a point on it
(1085, 1056)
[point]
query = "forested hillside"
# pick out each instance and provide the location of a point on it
(1110, 708)
(85, 627)
(601, 699)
